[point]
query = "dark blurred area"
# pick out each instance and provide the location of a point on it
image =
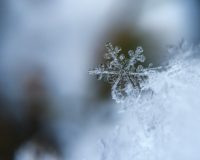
(19, 128)
(48, 102)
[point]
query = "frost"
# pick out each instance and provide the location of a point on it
(163, 125)
(124, 73)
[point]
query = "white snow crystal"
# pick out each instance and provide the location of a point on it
(123, 72)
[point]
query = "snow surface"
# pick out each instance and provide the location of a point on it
(162, 124)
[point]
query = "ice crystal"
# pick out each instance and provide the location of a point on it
(153, 127)
(124, 73)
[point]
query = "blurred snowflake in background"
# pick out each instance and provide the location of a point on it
(124, 73)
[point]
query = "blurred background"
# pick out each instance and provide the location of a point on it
(49, 105)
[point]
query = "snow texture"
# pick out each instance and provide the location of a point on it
(163, 125)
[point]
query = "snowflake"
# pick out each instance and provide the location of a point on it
(124, 73)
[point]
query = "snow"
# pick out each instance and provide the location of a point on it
(165, 124)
